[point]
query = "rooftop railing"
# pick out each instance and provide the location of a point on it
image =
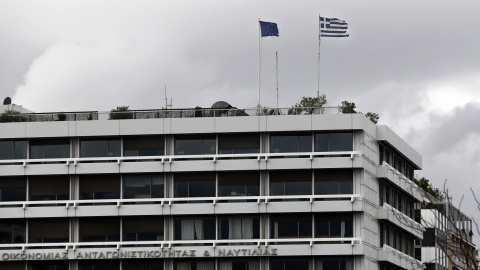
(165, 113)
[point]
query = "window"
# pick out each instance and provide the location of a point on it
(13, 189)
(247, 264)
(429, 238)
(12, 265)
(100, 148)
(99, 265)
(54, 230)
(332, 263)
(201, 228)
(46, 188)
(13, 149)
(143, 186)
(194, 185)
(142, 264)
(47, 265)
(330, 182)
(238, 143)
(195, 145)
(148, 228)
(288, 264)
(291, 226)
(238, 184)
(239, 227)
(288, 143)
(333, 225)
(194, 265)
(99, 229)
(12, 231)
(51, 148)
(96, 187)
(334, 141)
(284, 183)
(144, 146)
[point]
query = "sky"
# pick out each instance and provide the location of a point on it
(415, 63)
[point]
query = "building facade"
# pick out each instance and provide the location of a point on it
(203, 190)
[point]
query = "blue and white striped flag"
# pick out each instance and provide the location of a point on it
(333, 27)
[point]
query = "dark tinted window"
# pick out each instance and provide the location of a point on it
(53, 148)
(290, 183)
(290, 226)
(330, 182)
(13, 189)
(238, 184)
(330, 142)
(289, 264)
(48, 230)
(288, 143)
(99, 265)
(43, 188)
(144, 146)
(12, 231)
(142, 264)
(13, 149)
(194, 185)
(149, 228)
(47, 265)
(100, 148)
(143, 186)
(99, 229)
(238, 143)
(93, 187)
(332, 225)
(195, 145)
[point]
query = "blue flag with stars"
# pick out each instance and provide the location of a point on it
(269, 29)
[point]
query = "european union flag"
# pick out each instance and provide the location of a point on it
(269, 29)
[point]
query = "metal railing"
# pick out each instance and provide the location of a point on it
(166, 113)
(171, 201)
(171, 243)
(171, 158)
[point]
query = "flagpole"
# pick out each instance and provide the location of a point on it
(259, 61)
(319, 42)
(276, 55)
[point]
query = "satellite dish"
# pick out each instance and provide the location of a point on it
(7, 101)
(221, 105)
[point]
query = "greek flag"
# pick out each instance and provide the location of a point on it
(333, 27)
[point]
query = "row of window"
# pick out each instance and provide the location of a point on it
(392, 157)
(223, 184)
(283, 263)
(394, 237)
(151, 228)
(396, 198)
(183, 145)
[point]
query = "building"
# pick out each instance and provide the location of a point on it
(447, 241)
(205, 189)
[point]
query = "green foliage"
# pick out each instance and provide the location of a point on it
(373, 117)
(121, 112)
(61, 116)
(348, 107)
(425, 184)
(308, 105)
(11, 116)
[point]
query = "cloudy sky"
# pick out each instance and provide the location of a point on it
(415, 63)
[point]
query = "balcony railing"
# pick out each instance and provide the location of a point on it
(171, 201)
(170, 159)
(167, 113)
(171, 243)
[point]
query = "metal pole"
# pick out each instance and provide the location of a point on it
(276, 54)
(319, 41)
(259, 59)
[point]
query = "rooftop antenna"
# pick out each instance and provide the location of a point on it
(166, 99)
